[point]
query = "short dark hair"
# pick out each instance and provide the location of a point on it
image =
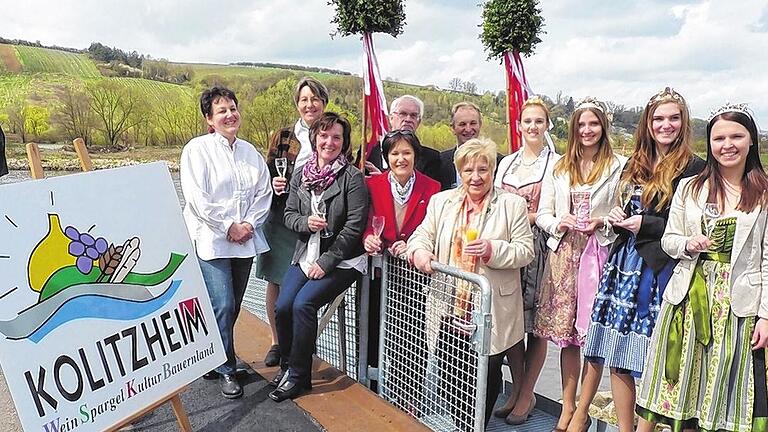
(395, 136)
(211, 95)
(317, 88)
(325, 122)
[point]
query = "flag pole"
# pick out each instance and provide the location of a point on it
(364, 141)
(506, 99)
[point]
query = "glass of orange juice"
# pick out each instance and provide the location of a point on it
(471, 234)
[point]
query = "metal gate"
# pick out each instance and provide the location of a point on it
(433, 345)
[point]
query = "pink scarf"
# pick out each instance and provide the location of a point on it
(318, 179)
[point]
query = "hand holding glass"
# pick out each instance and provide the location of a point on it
(711, 213)
(378, 227)
(320, 210)
(281, 164)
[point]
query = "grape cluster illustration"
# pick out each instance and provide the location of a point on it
(85, 248)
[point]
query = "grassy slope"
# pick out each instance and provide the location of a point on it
(43, 60)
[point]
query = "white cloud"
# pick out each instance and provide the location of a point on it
(711, 51)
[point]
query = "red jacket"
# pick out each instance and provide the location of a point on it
(382, 204)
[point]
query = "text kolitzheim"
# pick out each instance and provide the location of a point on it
(113, 357)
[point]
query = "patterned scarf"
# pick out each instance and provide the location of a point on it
(318, 179)
(401, 193)
(466, 221)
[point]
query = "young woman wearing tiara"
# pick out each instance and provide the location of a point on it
(637, 271)
(573, 210)
(522, 173)
(706, 368)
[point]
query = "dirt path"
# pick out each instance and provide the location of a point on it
(8, 59)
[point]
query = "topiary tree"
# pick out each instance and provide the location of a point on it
(511, 25)
(368, 16)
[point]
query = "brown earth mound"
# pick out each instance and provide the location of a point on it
(8, 58)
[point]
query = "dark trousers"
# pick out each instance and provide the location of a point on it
(226, 280)
(455, 353)
(296, 316)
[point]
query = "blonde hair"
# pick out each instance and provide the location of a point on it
(534, 101)
(476, 148)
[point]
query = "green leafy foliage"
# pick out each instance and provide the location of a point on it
(511, 25)
(368, 16)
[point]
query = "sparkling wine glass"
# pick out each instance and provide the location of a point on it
(281, 164)
(625, 194)
(711, 213)
(320, 210)
(581, 208)
(378, 227)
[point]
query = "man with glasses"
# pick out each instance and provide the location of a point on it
(405, 113)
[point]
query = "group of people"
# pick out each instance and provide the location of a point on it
(651, 265)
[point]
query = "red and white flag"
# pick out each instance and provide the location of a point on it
(518, 91)
(375, 104)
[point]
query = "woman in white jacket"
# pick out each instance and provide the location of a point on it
(573, 210)
(706, 367)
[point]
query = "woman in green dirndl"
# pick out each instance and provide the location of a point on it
(706, 366)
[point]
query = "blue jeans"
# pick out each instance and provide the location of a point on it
(226, 280)
(296, 316)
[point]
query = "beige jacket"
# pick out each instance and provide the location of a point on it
(749, 256)
(506, 226)
(556, 201)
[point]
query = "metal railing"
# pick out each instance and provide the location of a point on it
(433, 345)
(434, 338)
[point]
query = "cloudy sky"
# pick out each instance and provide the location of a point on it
(623, 51)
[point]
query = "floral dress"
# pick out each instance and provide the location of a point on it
(718, 384)
(626, 305)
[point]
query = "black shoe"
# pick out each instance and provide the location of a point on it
(230, 388)
(273, 356)
(212, 375)
(279, 378)
(289, 390)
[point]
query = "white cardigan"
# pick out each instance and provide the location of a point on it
(556, 201)
(749, 256)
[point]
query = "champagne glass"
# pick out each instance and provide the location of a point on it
(581, 208)
(281, 164)
(625, 194)
(378, 227)
(320, 210)
(711, 213)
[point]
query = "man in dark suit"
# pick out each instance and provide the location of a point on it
(466, 122)
(3, 162)
(405, 113)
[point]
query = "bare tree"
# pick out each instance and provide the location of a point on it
(74, 113)
(456, 84)
(114, 106)
(470, 87)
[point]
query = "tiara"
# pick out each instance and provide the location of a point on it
(729, 107)
(535, 99)
(668, 94)
(590, 102)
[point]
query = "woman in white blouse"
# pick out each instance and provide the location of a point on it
(227, 190)
(522, 173)
(573, 210)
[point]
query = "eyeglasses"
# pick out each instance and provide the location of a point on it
(403, 114)
(399, 133)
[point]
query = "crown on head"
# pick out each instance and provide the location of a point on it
(535, 99)
(729, 107)
(668, 94)
(590, 102)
